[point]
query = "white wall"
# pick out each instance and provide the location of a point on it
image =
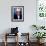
(29, 15)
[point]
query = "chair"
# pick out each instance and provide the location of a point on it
(24, 36)
(7, 35)
(14, 32)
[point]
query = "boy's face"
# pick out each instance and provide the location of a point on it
(18, 12)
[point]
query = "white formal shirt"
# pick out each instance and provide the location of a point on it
(18, 17)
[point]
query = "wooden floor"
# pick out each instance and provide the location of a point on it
(13, 44)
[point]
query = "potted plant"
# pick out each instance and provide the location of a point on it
(39, 35)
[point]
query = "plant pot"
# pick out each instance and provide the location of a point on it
(38, 40)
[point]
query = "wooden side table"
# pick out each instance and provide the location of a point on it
(8, 34)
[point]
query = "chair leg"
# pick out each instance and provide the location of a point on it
(5, 40)
(5, 43)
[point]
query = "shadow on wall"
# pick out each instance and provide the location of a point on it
(7, 31)
(3, 33)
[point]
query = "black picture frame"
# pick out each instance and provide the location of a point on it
(17, 13)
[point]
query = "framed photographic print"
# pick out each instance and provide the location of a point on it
(17, 13)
